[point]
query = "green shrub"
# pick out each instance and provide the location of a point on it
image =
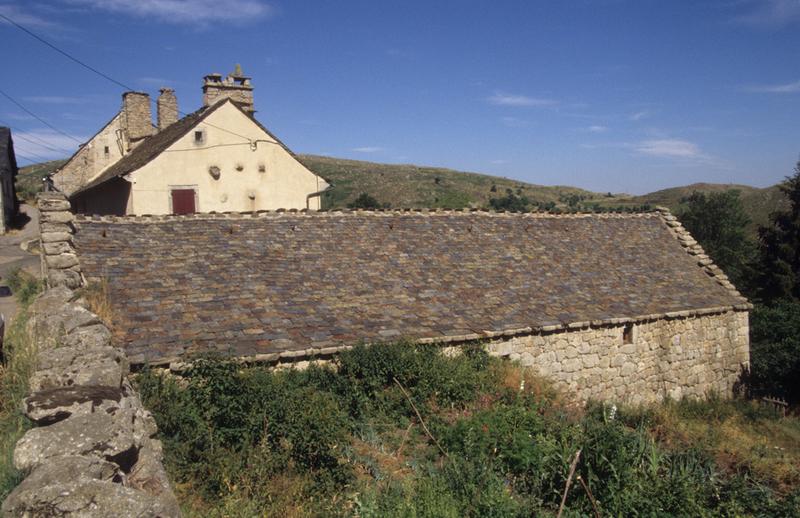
(18, 362)
(775, 351)
(326, 441)
(23, 285)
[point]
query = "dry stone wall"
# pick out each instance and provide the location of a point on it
(93, 451)
(59, 261)
(668, 357)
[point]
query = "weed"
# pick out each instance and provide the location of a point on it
(19, 361)
(98, 298)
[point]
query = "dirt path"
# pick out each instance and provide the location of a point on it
(12, 256)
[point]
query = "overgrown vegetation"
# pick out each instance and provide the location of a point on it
(495, 441)
(19, 353)
(98, 300)
(767, 271)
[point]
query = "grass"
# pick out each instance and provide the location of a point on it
(468, 435)
(19, 356)
(98, 300)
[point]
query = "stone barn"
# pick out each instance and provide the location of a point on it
(610, 306)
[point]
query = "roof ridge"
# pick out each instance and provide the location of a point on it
(145, 218)
(704, 261)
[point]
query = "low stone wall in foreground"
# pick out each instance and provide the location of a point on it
(93, 451)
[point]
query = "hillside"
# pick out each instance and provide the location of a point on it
(29, 178)
(406, 185)
(758, 203)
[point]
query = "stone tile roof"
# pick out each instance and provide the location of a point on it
(293, 283)
(151, 147)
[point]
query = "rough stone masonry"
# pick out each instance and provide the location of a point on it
(93, 451)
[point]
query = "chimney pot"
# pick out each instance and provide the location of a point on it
(236, 86)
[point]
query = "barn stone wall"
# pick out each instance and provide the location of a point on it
(687, 356)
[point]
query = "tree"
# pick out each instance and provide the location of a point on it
(364, 201)
(780, 247)
(511, 203)
(718, 222)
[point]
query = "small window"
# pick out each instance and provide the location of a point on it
(106, 151)
(199, 136)
(627, 334)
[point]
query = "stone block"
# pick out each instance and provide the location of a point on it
(53, 204)
(57, 323)
(85, 487)
(149, 475)
(48, 228)
(52, 405)
(64, 367)
(590, 361)
(88, 337)
(102, 435)
(57, 217)
(61, 247)
(67, 278)
(56, 237)
(61, 261)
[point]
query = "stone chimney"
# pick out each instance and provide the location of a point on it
(167, 108)
(137, 120)
(235, 86)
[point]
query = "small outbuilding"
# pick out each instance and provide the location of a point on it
(622, 306)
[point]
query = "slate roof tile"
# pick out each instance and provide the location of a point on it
(292, 281)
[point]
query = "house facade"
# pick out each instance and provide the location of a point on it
(8, 173)
(217, 159)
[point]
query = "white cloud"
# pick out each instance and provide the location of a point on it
(367, 149)
(597, 129)
(43, 143)
(506, 99)
(639, 115)
(499, 162)
(192, 12)
(770, 13)
(786, 88)
(670, 148)
(24, 18)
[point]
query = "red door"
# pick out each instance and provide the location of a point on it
(183, 201)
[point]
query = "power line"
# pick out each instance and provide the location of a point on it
(101, 74)
(32, 139)
(39, 157)
(37, 117)
(76, 60)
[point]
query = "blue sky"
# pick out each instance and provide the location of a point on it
(609, 95)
